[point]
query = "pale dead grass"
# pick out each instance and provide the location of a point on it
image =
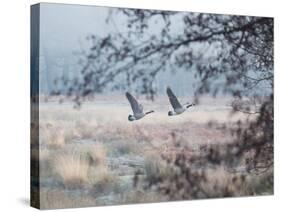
(99, 171)
(85, 128)
(116, 113)
(218, 183)
(103, 122)
(60, 199)
(124, 147)
(155, 166)
(139, 196)
(52, 137)
(72, 169)
(63, 131)
(221, 183)
(100, 175)
(97, 155)
(82, 168)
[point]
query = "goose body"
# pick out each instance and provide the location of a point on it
(137, 108)
(178, 108)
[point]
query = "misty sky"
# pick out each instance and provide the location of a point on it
(63, 32)
(64, 26)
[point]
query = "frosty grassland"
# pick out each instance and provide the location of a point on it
(90, 156)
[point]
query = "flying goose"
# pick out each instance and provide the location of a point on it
(136, 107)
(178, 108)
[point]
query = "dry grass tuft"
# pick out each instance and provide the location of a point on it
(86, 129)
(155, 167)
(221, 183)
(97, 155)
(80, 169)
(99, 173)
(52, 137)
(72, 168)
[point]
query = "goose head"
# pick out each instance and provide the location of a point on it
(131, 118)
(171, 113)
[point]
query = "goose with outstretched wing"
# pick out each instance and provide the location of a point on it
(178, 108)
(137, 108)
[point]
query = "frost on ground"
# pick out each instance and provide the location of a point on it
(93, 155)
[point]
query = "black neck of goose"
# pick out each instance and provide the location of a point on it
(187, 106)
(149, 112)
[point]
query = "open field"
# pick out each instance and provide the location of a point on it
(91, 156)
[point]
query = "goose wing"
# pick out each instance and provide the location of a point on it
(173, 99)
(136, 107)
